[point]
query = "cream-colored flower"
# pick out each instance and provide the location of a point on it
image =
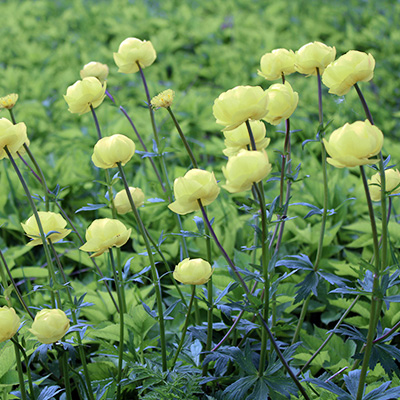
(12, 136)
(96, 70)
(50, 325)
(392, 184)
(195, 271)
(8, 101)
(163, 100)
(121, 201)
(277, 63)
(282, 103)
(312, 56)
(9, 323)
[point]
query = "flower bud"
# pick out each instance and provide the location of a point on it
(392, 184)
(12, 136)
(347, 70)
(237, 105)
(102, 234)
(163, 100)
(353, 144)
(282, 102)
(85, 93)
(96, 70)
(8, 101)
(194, 271)
(51, 222)
(110, 150)
(132, 52)
(121, 201)
(244, 169)
(277, 63)
(312, 56)
(197, 184)
(50, 325)
(9, 323)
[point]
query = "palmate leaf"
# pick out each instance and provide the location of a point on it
(386, 355)
(308, 285)
(381, 393)
(331, 387)
(238, 389)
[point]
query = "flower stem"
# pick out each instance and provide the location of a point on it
(65, 369)
(19, 369)
(96, 122)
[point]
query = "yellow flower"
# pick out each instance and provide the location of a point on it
(133, 51)
(312, 56)
(51, 222)
(194, 271)
(282, 102)
(196, 185)
(244, 169)
(96, 70)
(50, 325)
(85, 93)
(239, 138)
(164, 99)
(347, 70)
(392, 182)
(12, 136)
(8, 101)
(9, 323)
(110, 150)
(353, 144)
(276, 63)
(121, 201)
(103, 234)
(239, 104)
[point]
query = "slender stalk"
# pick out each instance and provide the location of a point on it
(96, 122)
(28, 370)
(64, 363)
(19, 369)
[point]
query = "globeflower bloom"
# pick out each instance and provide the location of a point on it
(85, 93)
(102, 234)
(121, 201)
(392, 184)
(245, 169)
(53, 225)
(96, 70)
(195, 271)
(312, 56)
(282, 102)
(50, 325)
(347, 70)
(197, 184)
(237, 105)
(133, 51)
(164, 99)
(12, 136)
(353, 144)
(9, 323)
(111, 150)
(8, 101)
(277, 63)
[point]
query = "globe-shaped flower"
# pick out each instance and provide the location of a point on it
(277, 63)
(12, 136)
(50, 325)
(197, 184)
(195, 271)
(85, 93)
(110, 150)
(121, 201)
(133, 51)
(53, 225)
(164, 99)
(312, 56)
(8, 101)
(282, 102)
(9, 323)
(96, 70)
(237, 105)
(353, 144)
(392, 184)
(244, 169)
(102, 234)
(347, 70)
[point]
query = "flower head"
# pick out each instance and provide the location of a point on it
(12, 136)
(50, 325)
(110, 150)
(237, 105)
(102, 234)
(9, 323)
(96, 70)
(164, 99)
(195, 271)
(353, 144)
(133, 51)
(8, 101)
(121, 201)
(312, 56)
(347, 70)
(282, 102)
(244, 169)
(197, 184)
(392, 184)
(277, 63)
(53, 225)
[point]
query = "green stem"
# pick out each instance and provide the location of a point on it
(19, 369)
(65, 369)
(28, 371)
(301, 318)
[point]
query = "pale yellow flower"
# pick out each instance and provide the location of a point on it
(121, 201)
(392, 184)
(282, 102)
(163, 100)
(12, 136)
(276, 63)
(8, 101)
(50, 325)
(195, 271)
(96, 70)
(9, 323)
(312, 56)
